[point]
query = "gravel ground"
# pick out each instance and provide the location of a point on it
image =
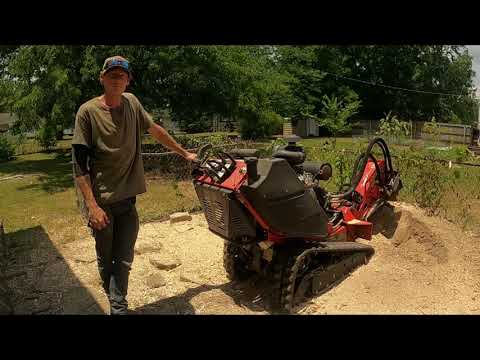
(422, 265)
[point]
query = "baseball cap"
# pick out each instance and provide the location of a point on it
(116, 62)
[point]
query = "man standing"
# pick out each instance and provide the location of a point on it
(108, 170)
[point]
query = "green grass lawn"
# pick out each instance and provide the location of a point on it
(31, 146)
(45, 196)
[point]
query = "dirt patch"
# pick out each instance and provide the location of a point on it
(417, 240)
(428, 266)
(422, 265)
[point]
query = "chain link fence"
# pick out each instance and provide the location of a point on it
(168, 164)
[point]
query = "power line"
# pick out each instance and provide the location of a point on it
(392, 87)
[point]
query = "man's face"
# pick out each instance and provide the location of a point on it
(115, 81)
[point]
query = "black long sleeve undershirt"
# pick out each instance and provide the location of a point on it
(80, 157)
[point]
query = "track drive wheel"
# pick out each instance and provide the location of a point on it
(281, 272)
(235, 262)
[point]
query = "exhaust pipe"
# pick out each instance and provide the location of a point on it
(252, 169)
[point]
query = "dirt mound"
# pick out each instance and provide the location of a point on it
(415, 239)
(422, 265)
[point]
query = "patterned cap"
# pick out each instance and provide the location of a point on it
(116, 62)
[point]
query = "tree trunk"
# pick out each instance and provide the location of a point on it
(60, 135)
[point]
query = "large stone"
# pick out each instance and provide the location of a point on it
(190, 279)
(87, 257)
(180, 216)
(182, 227)
(145, 248)
(161, 262)
(156, 280)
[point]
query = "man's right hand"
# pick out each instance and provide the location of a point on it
(97, 218)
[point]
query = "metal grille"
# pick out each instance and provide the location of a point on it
(240, 225)
(224, 215)
(215, 207)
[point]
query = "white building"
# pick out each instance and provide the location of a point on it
(6, 121)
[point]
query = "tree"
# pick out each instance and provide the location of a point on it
(437, 69)
(257, 85)
(192, 83)
(336, 114)
(41, 86)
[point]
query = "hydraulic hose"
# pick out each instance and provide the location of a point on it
(361, 163)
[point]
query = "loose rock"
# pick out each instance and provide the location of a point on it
(161, 262)
(145, 248)
(184, 278)
(85, 258)
(155, 281)
(180, 216)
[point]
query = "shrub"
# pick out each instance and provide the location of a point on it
(47, 137)
(261, 125)
(393, 129)
(6, 149)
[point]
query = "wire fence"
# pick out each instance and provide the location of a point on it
(449, 163)
(168, 164)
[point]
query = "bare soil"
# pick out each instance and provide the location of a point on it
(422, 265)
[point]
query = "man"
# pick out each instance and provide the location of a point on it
(108, 170)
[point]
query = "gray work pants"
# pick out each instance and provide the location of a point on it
(115, 248)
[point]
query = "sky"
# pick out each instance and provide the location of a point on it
(475, 52)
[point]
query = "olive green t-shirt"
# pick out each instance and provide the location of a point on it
(114, 137)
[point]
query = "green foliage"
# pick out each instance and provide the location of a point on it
(436, 68)
(337, 112)
(458, 153)
(256, 85)
(429, 182)
(46, 137)
(261, 125)
(393, 129)
(461, 153)
(193, 83)
(342, 177)
(427, 179)
(189, 142)
(433, 129)
(275, 145)
(6, 149)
